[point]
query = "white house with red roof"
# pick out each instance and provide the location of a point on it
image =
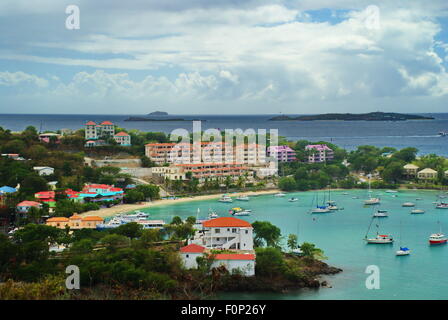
(231, 235)
(25, 206)
(123, 138)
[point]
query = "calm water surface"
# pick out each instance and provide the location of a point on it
(422, 275)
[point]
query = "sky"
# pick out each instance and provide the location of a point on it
(224, 56)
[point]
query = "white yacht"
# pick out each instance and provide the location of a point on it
(280, 194)
(225, 198)
(242, 198)
(408, 204)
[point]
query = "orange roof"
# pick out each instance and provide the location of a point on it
(58, 219)
(90, 123)
(122, 134)
(226, 222)
(234, 256)
(92, 218)
(75, 217)
(107, 123)
(192, 248)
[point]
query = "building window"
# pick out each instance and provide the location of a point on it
(187, 256)
(217, 231)
(233, 230)
(247, 231)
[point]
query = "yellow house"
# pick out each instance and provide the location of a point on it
(410, 169)
(58, 222)
(75, 222)
(427, 174)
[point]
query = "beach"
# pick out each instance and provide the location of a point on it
(124, 208)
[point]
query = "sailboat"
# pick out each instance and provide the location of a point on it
(371, 200)
(320, 209)
(331, 203)
(438, 238)
(380, 238)
(404, 251)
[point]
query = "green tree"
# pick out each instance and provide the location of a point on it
(270, 262)
(292, 241)
(266, 232)
(287, 184)
(131, 230)
(309, 250)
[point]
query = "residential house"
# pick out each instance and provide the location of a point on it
(282, 153)
(319, 153)
(171, 173)
(446, 174)
(4, 192)
(427, 174)
(50, 136)
(75, 222)
(47, 197)
(13, 156)
(25, 206)
(410, 170)
(123, 139)
(44, 171)
(96, 193)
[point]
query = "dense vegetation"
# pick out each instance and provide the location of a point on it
(132, 263)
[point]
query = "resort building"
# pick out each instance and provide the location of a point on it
(123, 139)
(25, 206)
(75, 222)
(217, 152)
(214, 171)
(410, 170)
(319, 153)
(427, 174)
(282, 153)
(95, 131)
(227, 233)
(44, 171)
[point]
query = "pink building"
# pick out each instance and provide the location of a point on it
(319, 153)
(282, 153)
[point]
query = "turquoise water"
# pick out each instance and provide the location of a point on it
(422, 275)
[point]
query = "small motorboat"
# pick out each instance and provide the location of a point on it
(418, 199)
(279, 194)
(391, 191)
(372, 201)
(345, 193)
(403, 251)
(437, 238)
(380, 239)
(442, 205)
(333, 207)
(417, 211)
(242, 198)
(355, 197)
(381, 214)
(212, 214)
(443, 133)
(293, 200)
(408, 204)
(225, 198)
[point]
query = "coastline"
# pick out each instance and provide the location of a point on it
(124, 208)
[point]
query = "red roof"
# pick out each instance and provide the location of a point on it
(90, 123)
(234, 256)
(28, 204)
(226, 222)
(45, 194)
(122, 134)
(192, 248)
(107, 123)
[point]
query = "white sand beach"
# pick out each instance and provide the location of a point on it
(124, 208)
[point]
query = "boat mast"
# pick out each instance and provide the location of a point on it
(370, 225)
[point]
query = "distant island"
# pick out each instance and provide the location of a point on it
(371, 116)
(152, 119)
(158, 113)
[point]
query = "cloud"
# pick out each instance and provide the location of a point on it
(242, 53)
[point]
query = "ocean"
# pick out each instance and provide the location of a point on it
(421, 275)
(422, 134)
